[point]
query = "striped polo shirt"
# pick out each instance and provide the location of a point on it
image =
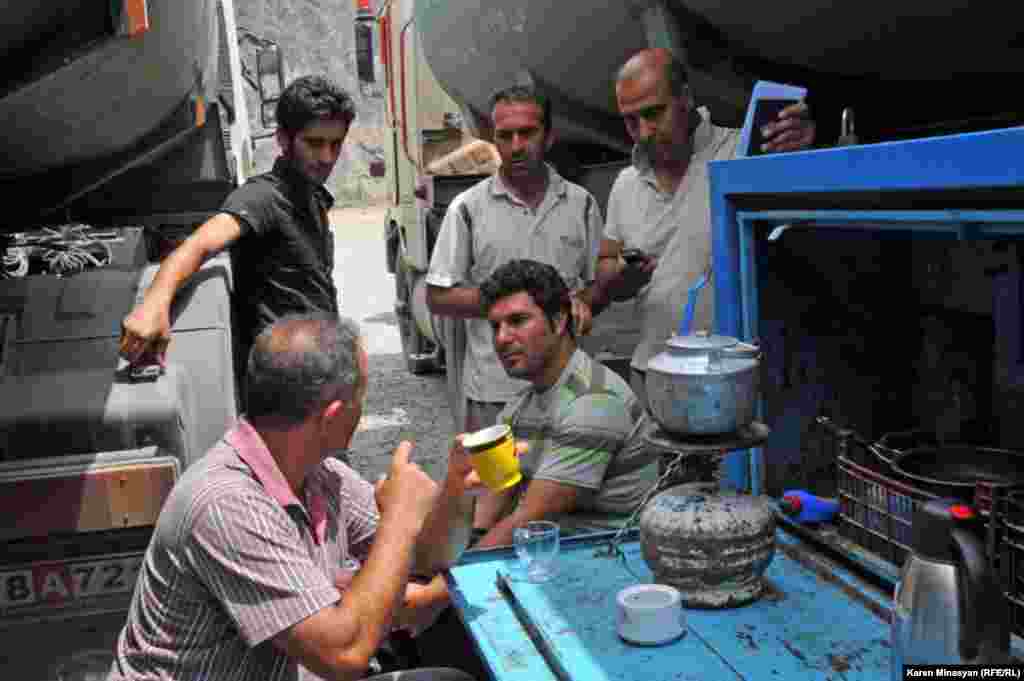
(583, 432)
(237, 558)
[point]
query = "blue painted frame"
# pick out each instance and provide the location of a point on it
(967, 162)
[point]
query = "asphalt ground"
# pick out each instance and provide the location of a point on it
(399, 405)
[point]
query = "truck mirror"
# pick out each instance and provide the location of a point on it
(270, 78)
(364, 42)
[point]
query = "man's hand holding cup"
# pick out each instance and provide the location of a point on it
(494, 457)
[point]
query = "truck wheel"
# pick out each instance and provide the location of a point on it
(391, 245)
(421, 356)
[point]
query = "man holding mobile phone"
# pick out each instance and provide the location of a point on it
(657, 238)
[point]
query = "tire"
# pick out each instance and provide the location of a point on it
(421, 355)
(391, 245)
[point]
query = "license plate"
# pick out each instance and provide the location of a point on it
(68, 582)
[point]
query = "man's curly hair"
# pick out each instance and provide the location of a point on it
(310, 99)
(543, 282)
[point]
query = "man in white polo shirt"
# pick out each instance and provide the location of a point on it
(526, 210)
(660, 204)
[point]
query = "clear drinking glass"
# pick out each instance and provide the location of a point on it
(536, 545)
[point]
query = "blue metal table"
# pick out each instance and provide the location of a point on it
(816, 621)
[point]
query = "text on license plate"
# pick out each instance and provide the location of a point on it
(53, 583)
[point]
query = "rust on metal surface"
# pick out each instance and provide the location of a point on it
(748, 639)
(827, 575)
(839, 663)
(793, 651)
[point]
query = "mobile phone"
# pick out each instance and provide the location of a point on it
(765, 111)
(633, 256)
(147, 372)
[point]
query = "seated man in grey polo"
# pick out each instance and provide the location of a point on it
(243, 579)
(585, 468)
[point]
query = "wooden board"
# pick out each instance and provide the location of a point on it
(87, 499)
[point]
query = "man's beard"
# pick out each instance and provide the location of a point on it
(521, 370)
(648, 148)
(660, 151)
(523, 166)
(518, 372)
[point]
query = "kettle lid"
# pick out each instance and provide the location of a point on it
(701, 340)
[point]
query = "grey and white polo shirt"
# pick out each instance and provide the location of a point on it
(487, 226)
(674, 227)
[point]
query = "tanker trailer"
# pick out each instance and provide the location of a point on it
(442, 59)
(125, 127)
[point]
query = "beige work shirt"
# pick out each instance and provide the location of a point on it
(674, 227)
(564, 231)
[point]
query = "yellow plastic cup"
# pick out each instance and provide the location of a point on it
(493, 454)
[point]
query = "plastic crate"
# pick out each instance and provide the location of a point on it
(1007, 545)
(876, 511)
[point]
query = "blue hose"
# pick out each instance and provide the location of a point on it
(691, 303)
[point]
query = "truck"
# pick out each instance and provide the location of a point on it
(442, 59)
(439, 146)
(125, 127)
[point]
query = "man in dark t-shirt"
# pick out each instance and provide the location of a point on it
(284, 257)
(275, 224)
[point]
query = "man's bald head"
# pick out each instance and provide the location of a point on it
(291, 336)
(659, 62)
(299, 364)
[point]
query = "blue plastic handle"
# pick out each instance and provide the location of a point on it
(811, 508)
(691, 303)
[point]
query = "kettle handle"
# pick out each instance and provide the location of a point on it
(982, 604)
(691, 301)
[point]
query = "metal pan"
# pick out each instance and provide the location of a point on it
(947, 468)
(959, 465)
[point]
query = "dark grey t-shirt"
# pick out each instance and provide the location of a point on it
(284, 260)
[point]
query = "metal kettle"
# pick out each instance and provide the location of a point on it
(703, 384)
(948, 607)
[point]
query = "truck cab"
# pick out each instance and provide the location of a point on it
(125, 129)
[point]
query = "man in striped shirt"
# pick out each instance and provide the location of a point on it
(584, 468)
(243, 576)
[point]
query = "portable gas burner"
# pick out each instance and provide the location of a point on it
(712, 546)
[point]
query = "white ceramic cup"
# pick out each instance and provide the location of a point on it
(650, 614)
